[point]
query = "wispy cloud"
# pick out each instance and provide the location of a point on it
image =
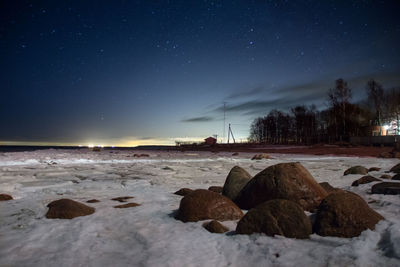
(198, 119)
(248, 92)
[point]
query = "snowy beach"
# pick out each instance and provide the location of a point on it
(149, 235)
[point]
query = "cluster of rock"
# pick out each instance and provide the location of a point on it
(395, 153)
(276, 200)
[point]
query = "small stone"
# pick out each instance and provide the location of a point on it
(183, 191)
(5, 197)
(356, 170)
(386, 176)
(67, 209)
(260, 157)
(215, 227)
(365, 180)
(386, 188)
(374, 169)
(121, 199)
(127, 205)
(92, 201)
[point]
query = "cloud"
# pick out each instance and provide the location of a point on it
(198, 119)
(247, 93)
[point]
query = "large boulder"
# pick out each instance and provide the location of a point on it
(203, 204)
(5, 197)
(289, 181)
(235, 181)
(67, 209)
(216, 189)
(356, 170)
(396, 168)
(365, 180)
(328, 188)
(344, 214)
(276, 217)
(215, 227)
(386, 188)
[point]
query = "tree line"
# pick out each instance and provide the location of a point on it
(338, 122)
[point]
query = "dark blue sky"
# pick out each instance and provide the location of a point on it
(130, 72)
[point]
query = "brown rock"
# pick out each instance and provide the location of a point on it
(127, 205)
(141, 155)
(356, 170)
(374, 169)
(396, 155)
(386, 188)
(92, 201)
(204, 204)
(386, 155)
(67, 209)
(216, 189)
(235, 154)
(344, 214)
(5, 197)
(215, 227)
(365, 180)
(183, 191)
(328, 188)
(386, 176)
(276, 217)
(235, 181)
(121, 199)
(289, 181)
(260, 156)
(395, 169)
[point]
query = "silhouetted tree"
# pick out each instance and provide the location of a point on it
(375, 97)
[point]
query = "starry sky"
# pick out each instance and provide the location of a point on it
(152, 72)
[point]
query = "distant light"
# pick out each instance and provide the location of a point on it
(386, 127)
(91, 146)
(102, 146)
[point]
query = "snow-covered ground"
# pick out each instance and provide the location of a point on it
(148, 235)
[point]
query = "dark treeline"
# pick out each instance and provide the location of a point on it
(338, 122)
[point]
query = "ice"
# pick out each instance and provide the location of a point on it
(148, 235)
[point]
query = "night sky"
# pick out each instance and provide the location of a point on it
(150, 72)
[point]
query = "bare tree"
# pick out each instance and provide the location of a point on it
(375, 96)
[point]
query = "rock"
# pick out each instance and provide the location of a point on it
(386, 155)
(344, 214)
(5, 197)
(276, 217)
(67, 209)
(328, 188)
(395, 169)
(356, 170)
(289, 181)
(216, 189)
(386, 188)
(365, 180)
(374, 169)
(141, 155)
(127, 205)
(260, 156)
(386, 176)
(234, 182)
(183, 191)
(396, 155)
(235, 154)
(215, 227)
(396, 177)
(92, 201)
(121, 199)
(204, 204)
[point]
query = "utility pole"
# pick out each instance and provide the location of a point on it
(223, 135)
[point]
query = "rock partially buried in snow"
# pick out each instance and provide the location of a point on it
(344, 214)
(396, 177)
(215, 227)
(276, 217)
(395, 169)
(386, 188)
(67, 209)
(216, 189)
(203, 204)
(121, 199)
(289, 181)
(365, 180)
(127, 205)
(374, 169)
(183, 191)
(356, 170)
(260, 156)
(386, 176)
(93, 201)
(5, 197)
(235, 181)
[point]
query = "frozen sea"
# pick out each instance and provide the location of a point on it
(148, 235)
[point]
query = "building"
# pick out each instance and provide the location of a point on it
(210, 141)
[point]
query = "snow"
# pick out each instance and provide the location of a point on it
(148, 235)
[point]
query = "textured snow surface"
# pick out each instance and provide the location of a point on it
(148, 235)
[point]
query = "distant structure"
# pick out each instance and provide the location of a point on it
(210, 141)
